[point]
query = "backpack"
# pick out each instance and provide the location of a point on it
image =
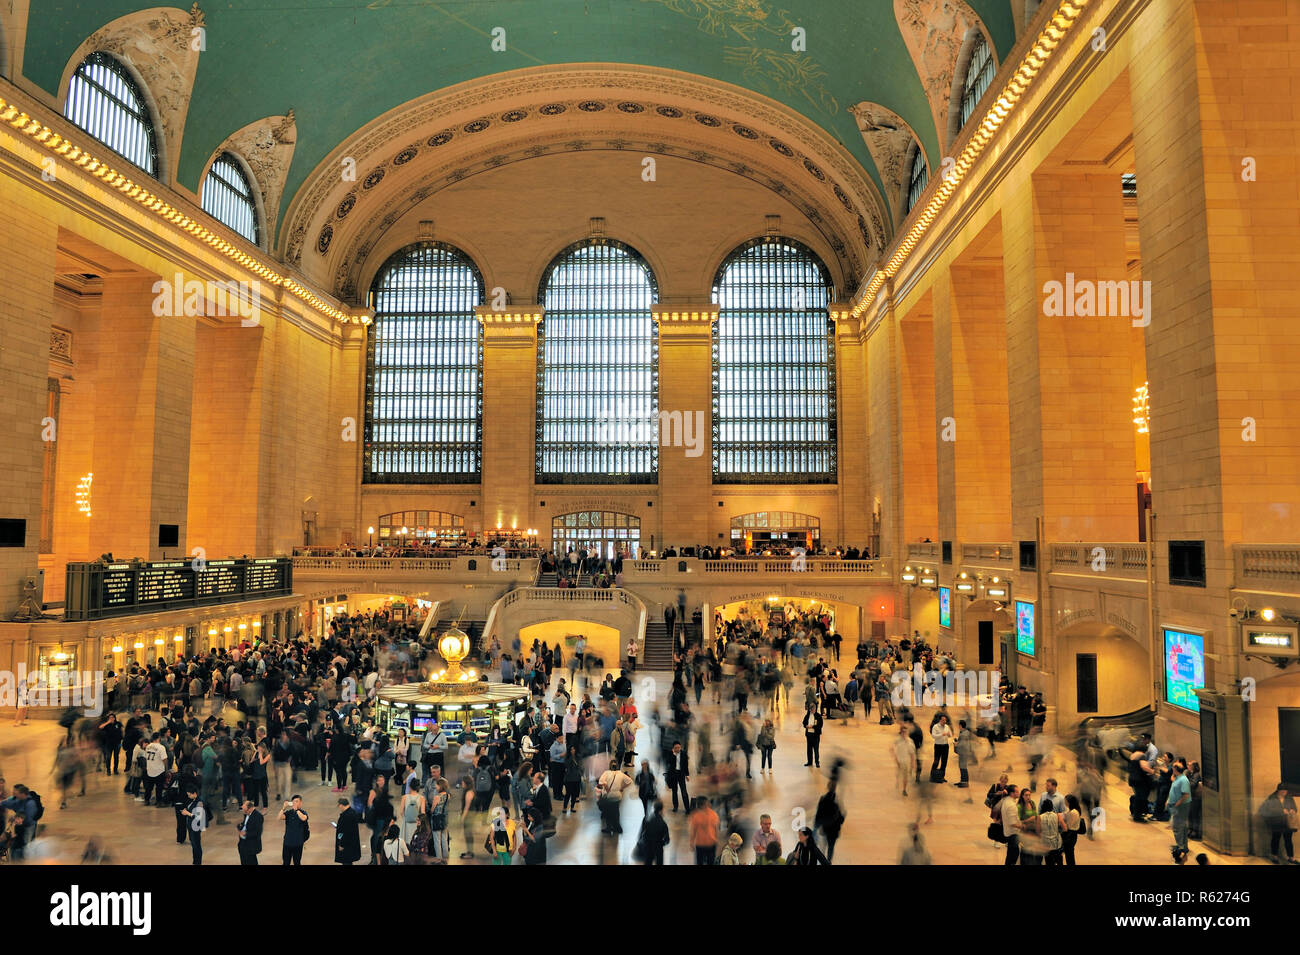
(40, 806)
(483, 781)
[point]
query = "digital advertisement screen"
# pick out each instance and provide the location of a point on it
(1184, 668)
(1025, 627)
(945, 607)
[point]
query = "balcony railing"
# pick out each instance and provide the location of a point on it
(988, 554)
(652, 571)
(482, 564)
(923, 552)
(1126, 561)
(1267, 566)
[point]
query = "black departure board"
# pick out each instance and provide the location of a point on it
(165, 582)
(117, 586)
(220, 578)
(99, 589)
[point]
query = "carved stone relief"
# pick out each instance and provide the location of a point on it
(159, 44)
(267, 147)
(889, 139)
(933, 31)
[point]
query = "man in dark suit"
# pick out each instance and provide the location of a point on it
(250, 833)
(347, 837)
(812, 731)
(539, 800)
(678, 771)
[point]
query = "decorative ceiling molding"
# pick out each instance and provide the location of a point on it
(266, 147)
(488, 122)
(934, 31)
(889, 139)
(160, 46)
(352, 250)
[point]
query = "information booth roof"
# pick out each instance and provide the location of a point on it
(461, 694)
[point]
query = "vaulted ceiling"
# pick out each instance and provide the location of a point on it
(835, 88)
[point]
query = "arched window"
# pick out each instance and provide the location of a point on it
(918, 178)
(607, 532)
(228, 196)
(105, 102)
(979, 76)
(598, 368)
(773, 367)
(424, 370)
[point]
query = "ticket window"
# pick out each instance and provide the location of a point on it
(56, 664)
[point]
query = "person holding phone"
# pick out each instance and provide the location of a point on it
(296, 831)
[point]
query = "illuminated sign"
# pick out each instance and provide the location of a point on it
(1270, 641)
(1184, 668)
(1025, 627)
(945, 607)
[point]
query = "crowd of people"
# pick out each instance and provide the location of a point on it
(239, 730)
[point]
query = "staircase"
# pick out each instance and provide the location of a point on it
(657, 654)
(553, 580)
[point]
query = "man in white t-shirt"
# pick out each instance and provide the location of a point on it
(1009, 811)
(611, 786)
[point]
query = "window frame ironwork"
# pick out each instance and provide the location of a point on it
(916, 182)
(226, 200)
(594, 448)
(980, 70)
(422, 348)
(828, 446)
(106, 109)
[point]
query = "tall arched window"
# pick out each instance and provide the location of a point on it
(228, 196)
(104, 100)
(598, 368)
(918, 178)
(424, 370)
(979, 76)
(773, 367)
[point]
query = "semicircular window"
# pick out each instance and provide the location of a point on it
(228, 196)
(424, 370)
(105, 101)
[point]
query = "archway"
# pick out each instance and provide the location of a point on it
(603, 642)
(1102, 672)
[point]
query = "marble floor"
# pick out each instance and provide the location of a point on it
(877, 816)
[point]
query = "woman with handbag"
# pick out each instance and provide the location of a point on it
(438, 842)
(1073, 825)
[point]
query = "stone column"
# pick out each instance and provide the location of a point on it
(686, 433)
(144, 380)
(509, 418)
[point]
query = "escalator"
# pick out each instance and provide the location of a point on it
(1114, 734)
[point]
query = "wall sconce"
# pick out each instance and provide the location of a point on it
(909, 575)
(1142, 408)
(83, 494)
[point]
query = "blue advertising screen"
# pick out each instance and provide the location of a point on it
(1184, 668)
(1025, 627)
(945, 607)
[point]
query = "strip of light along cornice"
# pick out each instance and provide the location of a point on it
(65, 148)
(1032, 64)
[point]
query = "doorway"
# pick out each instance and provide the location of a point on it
(1085, 682)
(1288, 734)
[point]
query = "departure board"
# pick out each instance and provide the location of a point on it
(117, 586)
(220, 578)
(165, 583)
(99, 589)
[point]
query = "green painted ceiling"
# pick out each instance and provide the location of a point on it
(341, 63)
